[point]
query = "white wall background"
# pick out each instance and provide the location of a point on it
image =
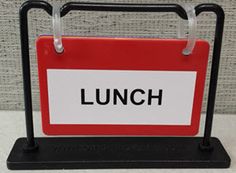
(161, 25)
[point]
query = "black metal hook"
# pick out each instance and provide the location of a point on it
(125, 7)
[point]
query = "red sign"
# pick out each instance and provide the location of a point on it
(121, 86)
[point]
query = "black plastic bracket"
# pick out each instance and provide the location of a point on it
(118, 152)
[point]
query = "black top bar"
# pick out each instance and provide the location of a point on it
(123, 7)
(118, 7)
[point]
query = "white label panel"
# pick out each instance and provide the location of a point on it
(128, 97)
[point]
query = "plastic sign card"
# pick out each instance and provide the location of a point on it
(121, 86)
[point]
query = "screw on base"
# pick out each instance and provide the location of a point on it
(28, 149)
(204, 147)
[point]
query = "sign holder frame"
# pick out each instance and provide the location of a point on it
(118, 152)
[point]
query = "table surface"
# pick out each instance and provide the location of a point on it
(12, 127)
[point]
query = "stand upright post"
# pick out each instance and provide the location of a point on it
(31, 145)
(220, 17)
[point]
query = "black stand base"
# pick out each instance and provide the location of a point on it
(118, 152)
